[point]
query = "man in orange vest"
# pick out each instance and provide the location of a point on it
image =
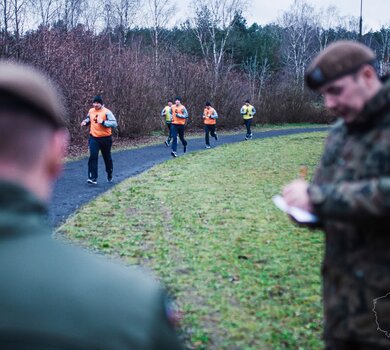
(101, 121)
(210, 116)
(179, 116)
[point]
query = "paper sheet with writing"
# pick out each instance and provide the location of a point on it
(298, 214)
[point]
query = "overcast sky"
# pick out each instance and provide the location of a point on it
(375, 12)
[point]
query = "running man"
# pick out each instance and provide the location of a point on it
(101, 121)
(179, 117)
(248, 111)
(210, 117)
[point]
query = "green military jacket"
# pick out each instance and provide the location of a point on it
(351, 195)
(55, 296)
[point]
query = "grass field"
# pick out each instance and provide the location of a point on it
(242, 273)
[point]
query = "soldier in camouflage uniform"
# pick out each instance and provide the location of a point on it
(350, 193)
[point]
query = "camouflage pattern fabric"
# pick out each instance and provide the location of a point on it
(351, 195)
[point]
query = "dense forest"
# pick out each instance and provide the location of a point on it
(127, 51)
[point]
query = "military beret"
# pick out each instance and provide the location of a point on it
(22, 86)
(337, 60)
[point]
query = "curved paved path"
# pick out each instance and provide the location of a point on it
(72, 191)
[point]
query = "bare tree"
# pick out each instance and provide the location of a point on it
(6, 18)
(160, 14)
(212, 26)
(70, 12)
(384, 52)
(328, 19)
(251, 69)
(109, 14)
(351, 25)
(125, 13)
(120, 15)
(299, 44)
(258, 74)
(18, 9)
(46, 11)
(264, 75)
(11, 20)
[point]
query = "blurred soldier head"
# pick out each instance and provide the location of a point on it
(345, 75)
(33, 137)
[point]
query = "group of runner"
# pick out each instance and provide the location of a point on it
(175, 119)
(101, 121)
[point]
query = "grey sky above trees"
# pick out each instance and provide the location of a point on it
(375, 12)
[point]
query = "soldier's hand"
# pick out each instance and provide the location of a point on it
(295, 194)
(83, 123)
(100, 119)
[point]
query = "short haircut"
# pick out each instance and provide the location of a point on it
(23, 134)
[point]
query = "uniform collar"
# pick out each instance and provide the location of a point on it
(379, 103)
(21, 212)
(374, 109)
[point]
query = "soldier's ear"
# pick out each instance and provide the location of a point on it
(368, 72)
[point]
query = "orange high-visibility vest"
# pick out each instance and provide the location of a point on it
(175, 119)
(207, 113)
(97, 129)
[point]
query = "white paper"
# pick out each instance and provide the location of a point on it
(298, 214)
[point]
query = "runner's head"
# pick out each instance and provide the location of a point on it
(97, 102)
(177, 100)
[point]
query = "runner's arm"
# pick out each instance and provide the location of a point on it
(214, 115)
(110, 122)
(184, 115)
(86, 121)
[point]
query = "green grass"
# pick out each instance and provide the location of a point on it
(244, 275)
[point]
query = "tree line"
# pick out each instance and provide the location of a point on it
(92, 48)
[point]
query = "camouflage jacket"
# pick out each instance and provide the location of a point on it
(351, 195)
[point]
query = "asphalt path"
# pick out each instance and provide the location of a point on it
(71, 190)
